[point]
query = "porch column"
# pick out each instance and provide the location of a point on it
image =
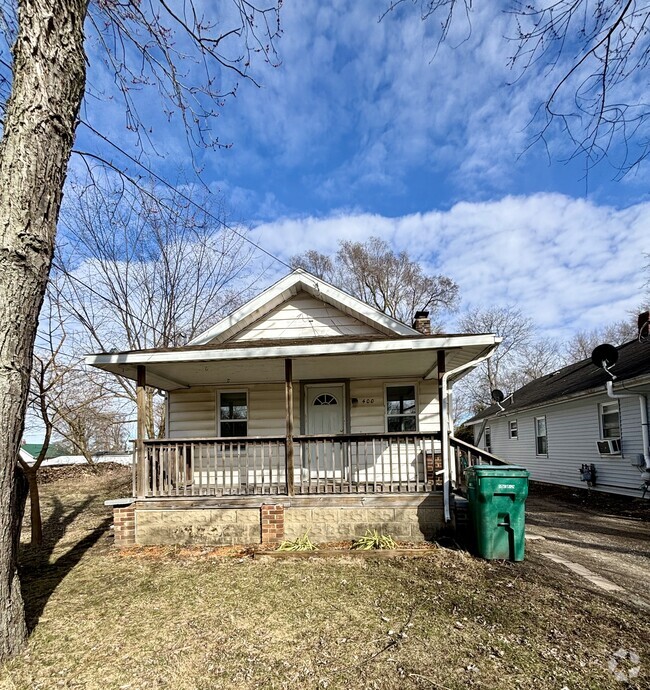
(288, 389)
(444, 426)
(141, 402)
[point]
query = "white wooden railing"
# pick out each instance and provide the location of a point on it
(250, 466)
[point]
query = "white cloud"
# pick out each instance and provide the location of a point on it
(567, 263)
(366, 101)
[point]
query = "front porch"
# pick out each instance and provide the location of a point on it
(389, 463)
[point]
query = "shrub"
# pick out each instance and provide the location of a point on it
(373, 539)
(299, 544)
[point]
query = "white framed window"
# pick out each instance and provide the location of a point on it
(541, 436)
(232, 412)
(401, 408)
(488, 439)
(513, 429)
(610, 420)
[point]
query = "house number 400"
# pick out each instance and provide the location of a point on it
(367, 401)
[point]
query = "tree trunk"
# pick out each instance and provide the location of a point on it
(48, 85)
(35, 507)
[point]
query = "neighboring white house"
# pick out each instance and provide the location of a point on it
(59, 460)
(304, 409)
(560, 422)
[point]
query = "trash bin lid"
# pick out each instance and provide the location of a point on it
(509, 471)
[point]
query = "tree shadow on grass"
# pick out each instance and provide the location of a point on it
(39, 577)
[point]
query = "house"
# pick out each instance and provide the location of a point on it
(559, 425)
(32, 450)
(57, 456)
(305, 409)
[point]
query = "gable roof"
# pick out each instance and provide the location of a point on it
(297, 281)
(581, 377)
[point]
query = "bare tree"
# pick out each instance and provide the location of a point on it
(87, 415)
(519, 359)
(42, 84)
(45, 379)
(506, 322)
(68, 402)
(140, 268)
(392, 282)
(594, 54)
(581, 344)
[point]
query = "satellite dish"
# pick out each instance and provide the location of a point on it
(604, 356)
(497, 395)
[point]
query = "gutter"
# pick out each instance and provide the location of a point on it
(444, 423)
(643, 406)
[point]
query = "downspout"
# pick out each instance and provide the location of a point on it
(444, 431)
(643, 404)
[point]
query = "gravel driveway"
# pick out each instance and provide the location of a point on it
(606, 538)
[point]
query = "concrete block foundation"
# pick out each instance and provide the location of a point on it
(226, 521)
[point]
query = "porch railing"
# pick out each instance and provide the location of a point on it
(353, 463)
(466, 455)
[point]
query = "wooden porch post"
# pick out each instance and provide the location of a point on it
(288, 388)
(141, 402)
(442, 410)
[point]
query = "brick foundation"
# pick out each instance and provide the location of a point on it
(432, 464)
(124, 522)
(272, 517)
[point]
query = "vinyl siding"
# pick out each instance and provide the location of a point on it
(192, 413)
(304, 316)
(573, 428)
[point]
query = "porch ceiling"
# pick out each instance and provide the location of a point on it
(396, 359)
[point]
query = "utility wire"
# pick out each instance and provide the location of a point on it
(68, 274)
(182, 195)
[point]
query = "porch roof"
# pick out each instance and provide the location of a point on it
(263, 362)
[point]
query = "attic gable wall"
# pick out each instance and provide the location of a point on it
(303, 316)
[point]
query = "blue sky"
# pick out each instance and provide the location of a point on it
(361, 131)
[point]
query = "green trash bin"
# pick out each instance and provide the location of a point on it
(497, 510)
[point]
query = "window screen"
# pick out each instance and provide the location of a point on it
(401, 412)
(541, 439)
(233, 414)
(610, 422)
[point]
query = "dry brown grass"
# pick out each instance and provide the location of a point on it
(202, 619)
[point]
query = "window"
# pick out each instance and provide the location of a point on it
(541, 439)
(610, 421)
(326, 399)
(513, 431)
(233, 413)
(401, 412)
(488, 439)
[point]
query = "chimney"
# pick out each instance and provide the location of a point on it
(422, 322)
(644, 326)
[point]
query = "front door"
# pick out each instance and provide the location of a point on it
(324, 416)
(325, 411)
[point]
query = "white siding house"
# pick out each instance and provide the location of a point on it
(574, 408)
(303, 400)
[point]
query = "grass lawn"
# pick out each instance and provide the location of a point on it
(199, 619)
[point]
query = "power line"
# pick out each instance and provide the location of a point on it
(181, 194)
(122, 307)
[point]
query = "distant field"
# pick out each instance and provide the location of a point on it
(198, 619)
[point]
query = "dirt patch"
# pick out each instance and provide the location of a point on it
(595, 501)
(48, 475)
(612, 544)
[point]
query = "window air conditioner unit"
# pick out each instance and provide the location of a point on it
(609, 446)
